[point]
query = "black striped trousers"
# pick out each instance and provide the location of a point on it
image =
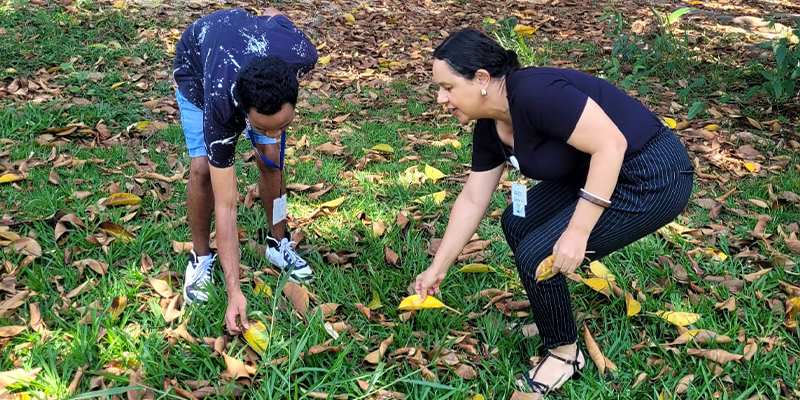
(652, 189)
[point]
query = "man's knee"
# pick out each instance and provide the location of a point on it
(199, 171)
(271, 152)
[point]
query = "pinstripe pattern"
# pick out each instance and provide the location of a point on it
(653, 188)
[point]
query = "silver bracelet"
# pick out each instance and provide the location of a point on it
(594, 199)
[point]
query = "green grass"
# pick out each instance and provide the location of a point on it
(137, 338)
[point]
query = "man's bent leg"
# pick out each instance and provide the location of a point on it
(271, 186)
(200, 204)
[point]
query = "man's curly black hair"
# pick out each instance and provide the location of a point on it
(266, 84)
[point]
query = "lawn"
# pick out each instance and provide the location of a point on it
(90, 288)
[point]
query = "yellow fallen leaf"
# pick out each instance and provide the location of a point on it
(671, 123)
(677, 317)
(523, 30)
(325, 59)
(437, 197)
(711, 127)
(425, 38)
(476, 268)
(716, 254)
(476, 397)
(545, 268)
(599, 285)
(9, 177)
(262, 289)
(116, 85)
(793, 308)
(601, 271)
(257, 337)
(750, 166)
(121, 199)
(413, 303)
(333, 203)
(349, 18)
(490, 20)
(632, 306)
(119, 4)
(433, 173)
(141, 125)
(117, 306)
(383, 148)
(376, 302)
(456, 144)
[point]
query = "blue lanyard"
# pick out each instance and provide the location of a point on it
(265, 159)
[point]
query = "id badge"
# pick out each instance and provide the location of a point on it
(279, 209)
(519, 199)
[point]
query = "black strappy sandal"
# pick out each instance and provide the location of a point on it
(541, 388)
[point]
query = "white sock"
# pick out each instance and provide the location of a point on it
(204, 258)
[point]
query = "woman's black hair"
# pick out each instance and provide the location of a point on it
(266, 84)
(468, 50)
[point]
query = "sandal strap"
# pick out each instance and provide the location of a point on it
(574, 363)
(536, 387)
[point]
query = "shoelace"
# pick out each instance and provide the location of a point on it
(286, 248)
(203, 272)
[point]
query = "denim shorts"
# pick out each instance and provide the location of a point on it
(192, 122)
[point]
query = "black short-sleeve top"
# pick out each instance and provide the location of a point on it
(545, 105)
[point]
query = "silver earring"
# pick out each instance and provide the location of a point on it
(483, 92)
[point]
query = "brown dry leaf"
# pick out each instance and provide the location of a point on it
(76, 381)
(750, 349)
(11, 331)
(378, 228)
(375, 356)
(639, 379)
(683, 384)
(391, 257)
(595, 353)
(700, 336)
(182, 247)
(96, 266)
(161, 287)
(298, 295)
(135, 379)
(718, 356)
(172, 312)
(382, 394)
(728, 305)
(78, 290)
(793, 244)
(235, 369)
(754, 276)
(27, 246)
(525, 396)
(330, 149)
(62, 225)
(18, 376)
(466, 372)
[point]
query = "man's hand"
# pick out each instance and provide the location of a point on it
(237, 307)
(428, 282)
(271, 12)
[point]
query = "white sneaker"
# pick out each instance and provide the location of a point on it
(282, 255)
(198, 274)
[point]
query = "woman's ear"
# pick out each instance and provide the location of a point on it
(482, 78)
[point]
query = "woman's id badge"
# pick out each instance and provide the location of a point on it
(519, 199)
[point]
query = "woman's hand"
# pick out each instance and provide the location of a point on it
(570, 250)
(428, 282)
